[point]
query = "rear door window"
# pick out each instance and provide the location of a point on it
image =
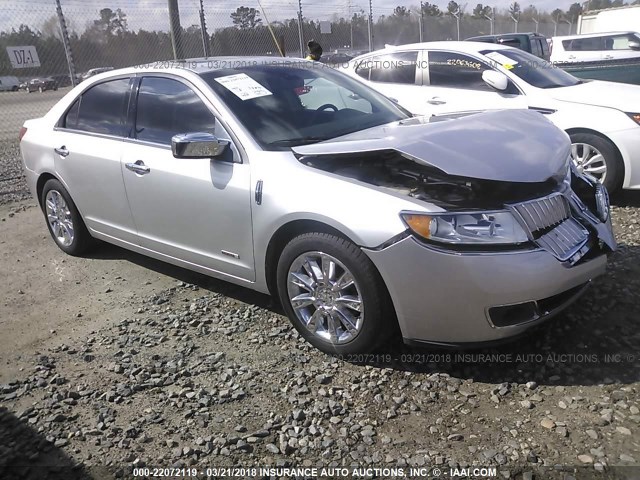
(397, 67)
(584, 44)
(101, 109)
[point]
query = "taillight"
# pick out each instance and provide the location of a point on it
(23, 130)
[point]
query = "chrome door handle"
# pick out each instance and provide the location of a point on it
(436, 101)
(608, 57)
(62, 151)
(138, 167)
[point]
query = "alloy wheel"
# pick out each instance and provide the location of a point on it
(59, 218)
(325, 297)
(589, 160)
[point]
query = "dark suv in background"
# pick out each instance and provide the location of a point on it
(533, 43)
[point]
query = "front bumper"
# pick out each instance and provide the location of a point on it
(447, 297)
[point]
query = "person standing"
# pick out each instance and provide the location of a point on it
(315, 51)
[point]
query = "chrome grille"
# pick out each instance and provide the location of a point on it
(542, 213)
(564, 240)
(550, 224)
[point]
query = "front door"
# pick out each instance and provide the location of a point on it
(196, 210)
(455, 85)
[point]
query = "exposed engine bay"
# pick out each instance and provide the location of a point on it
(390, 169)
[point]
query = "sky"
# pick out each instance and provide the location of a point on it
(152, 14)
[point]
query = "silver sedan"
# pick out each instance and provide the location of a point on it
(291, 178)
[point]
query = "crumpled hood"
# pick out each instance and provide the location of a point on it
(621, 96)
(508, 145)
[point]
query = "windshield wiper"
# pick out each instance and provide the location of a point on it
(292, 142)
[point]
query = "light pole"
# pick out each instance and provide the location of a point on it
(515, 21)
(203, 31)
(300, 35)
(570, 25)
(457, 15)
(534, 16)
(491, 19)
(370, 26)
(419, 15)
(421, 20)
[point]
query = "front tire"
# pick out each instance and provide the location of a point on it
(333, 294)
(63, 219)
(599, 158)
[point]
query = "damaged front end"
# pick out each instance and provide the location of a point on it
(566, 215)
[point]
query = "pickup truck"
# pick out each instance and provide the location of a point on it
(533, 43)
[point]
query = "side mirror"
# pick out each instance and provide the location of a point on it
(634, 44)
(197, 145)
(495, 80)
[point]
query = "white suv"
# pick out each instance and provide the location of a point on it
(595, 47)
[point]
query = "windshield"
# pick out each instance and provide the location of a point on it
(287, 105)
(533, 70)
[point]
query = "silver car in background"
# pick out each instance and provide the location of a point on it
(291, 178)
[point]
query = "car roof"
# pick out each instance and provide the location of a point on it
(514, 34)
(200, 65)
(593, 35)
(460, 46)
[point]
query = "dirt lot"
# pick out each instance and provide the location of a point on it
(114, 361)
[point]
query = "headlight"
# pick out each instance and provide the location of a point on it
(635, 117)
(497, 228)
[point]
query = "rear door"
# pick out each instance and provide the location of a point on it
(394, 74)
(587, 49)
(86, 146)
(197, 210)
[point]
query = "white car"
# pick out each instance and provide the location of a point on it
(595, 47)
(444, 78)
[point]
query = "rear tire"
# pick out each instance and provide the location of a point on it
(333, 313)
(63, 219)
(614, 168)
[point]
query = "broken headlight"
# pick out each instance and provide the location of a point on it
(475, 228)
(602, 202)
(591, 193)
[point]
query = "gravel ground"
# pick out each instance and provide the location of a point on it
(131, 364)
(13, 186)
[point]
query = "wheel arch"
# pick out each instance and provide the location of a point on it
(625, 165)
(283, 235)
(42, 180)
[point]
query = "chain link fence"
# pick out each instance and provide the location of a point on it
(120, 33)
